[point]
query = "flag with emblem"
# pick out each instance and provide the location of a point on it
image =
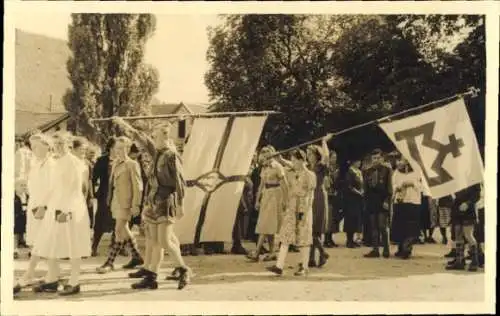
(216, 160)
(442, 144)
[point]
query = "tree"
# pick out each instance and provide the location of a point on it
(275, 62)
(107, 70)
(326, 73)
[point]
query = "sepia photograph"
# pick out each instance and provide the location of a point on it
(247, 157)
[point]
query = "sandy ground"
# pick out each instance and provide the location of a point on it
(346, 277)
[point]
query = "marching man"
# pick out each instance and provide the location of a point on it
(125, 192)
(65, 224)
(164, 203)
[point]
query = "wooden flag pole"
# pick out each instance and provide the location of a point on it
(183, 116)
(473, 92)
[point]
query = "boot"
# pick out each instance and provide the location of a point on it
(148, 282)
(480, 257)
(459, 262)
(183, 278)
(474, 259)
(323, 258)
(399, 253)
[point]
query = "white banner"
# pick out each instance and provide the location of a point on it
(442, 144)
(216, 159)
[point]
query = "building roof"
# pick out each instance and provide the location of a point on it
(173, 108)
(27, 121)
(41, 74)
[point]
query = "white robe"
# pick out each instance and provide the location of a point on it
(39, 188)
(70, 239)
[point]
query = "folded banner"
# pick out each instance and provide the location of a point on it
(442, 144)
(216, 159)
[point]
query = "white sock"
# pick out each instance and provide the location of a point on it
(304, 255)
(53, 271)
(280, 263)
(29, 274)
(75, 271)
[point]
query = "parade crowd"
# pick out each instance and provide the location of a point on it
(69, 194)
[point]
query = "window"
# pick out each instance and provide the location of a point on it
(182, 129)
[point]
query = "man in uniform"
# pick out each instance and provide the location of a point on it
(378, 193)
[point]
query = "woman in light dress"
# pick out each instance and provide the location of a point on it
(318, 158)
(39, 187)
(297, 227)
(65, 223)
(269, 202)
(408, 188)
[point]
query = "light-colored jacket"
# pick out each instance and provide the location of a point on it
(125, 189)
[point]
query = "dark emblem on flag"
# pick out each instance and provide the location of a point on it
(443, 150)
(213, 180)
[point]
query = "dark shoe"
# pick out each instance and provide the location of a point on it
(350, 245)
(405, 255)
(474, 259)
(70, 290)
(46, 287)
(141, 273)
(16, 255)
(357, 245)
(480, 259)
(451, 254)
(275, 270)
(133, 263)
(398, 254)
(372, 254)
(444, 241)
(17, 289)
(386, 254)
(455, 265)
(175, 275)
(94, 253)
(238, 250)
(184, 278)
(323, 259)
(301, 271)
(105, 268)
(312, 264)
(293, 248)
(148, 282)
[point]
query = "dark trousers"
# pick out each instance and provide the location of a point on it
(378, 225)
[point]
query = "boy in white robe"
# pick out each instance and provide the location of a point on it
(66, 222)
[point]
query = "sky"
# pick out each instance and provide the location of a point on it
(177, 49)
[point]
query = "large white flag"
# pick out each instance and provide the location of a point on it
(216, 161)
(441, 143)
